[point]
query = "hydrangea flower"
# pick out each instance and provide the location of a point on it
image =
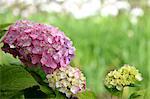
(38, 44)
(125, 76)
(67, 80)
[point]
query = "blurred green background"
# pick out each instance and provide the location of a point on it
(102, 43)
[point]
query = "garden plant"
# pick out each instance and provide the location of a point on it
(74, 49)
(46, 70)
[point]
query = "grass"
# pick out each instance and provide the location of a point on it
(102, 44)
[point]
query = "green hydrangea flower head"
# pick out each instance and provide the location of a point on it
(125, 76)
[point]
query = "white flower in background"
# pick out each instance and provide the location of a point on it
(29, 11)
(122, 5)
(67, 80)
(81, 9)
(135, 14)
(78, 8)
(29, 1)
(112, 7)
(109, 1)
(7, 2)
(16, 11)
(148, 2)
(51, 7)
(109, 10)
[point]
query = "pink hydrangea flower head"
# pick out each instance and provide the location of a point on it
(38, 44)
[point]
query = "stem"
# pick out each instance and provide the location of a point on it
(122, 93)
(111, 96)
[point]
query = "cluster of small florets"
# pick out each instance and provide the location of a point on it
(125, 76)
(38, 44)
(67, 80)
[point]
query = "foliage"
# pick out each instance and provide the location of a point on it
(3, 28)
(134, 95)
(85, 95)
(14, 79)
(114, 91)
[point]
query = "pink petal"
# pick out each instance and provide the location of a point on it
(50, 40)
(35, 59)
(33, 36)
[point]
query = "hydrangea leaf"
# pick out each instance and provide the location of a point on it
(59, 95)
(34, 93)
(85, 95)
(14, 79)
(5, 94)
(3, 26)
(114, 91)
(134, 96)
(43, 86)
(135, 85)
(137, 94)
(2, 32)
(47, 90)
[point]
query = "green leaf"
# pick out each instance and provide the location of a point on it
(14, 79)
(135, 85)
(5, 94)
(2, 26)
(85, 95)
(18, 95)
(47, 90)
(34, 93)
(2, 33)
(134, 95)
(44, 87)
(114, 91)
(37, 73)
(59, 95)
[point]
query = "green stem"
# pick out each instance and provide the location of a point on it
(122, 93)
(111, 96)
